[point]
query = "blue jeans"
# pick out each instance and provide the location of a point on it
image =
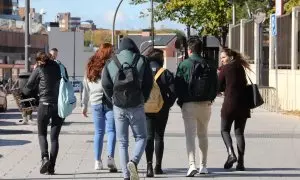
(136, 119)
(103, 118)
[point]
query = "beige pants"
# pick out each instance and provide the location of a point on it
(196, 116)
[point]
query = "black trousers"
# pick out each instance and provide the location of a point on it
(156, 125)
(45, 112)
(239, 128)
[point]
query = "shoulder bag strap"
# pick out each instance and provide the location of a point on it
(248, 76)
(159, 72)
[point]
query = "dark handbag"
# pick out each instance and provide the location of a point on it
(254, 99)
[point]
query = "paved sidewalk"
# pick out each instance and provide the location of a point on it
(272, 144)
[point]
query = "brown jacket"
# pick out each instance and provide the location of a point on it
(232, 81)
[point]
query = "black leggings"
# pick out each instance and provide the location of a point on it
(239, 128)
(156, 125)
(45, 112)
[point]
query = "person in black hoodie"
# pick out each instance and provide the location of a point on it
(46, 79)
(128, 101)
(156, 122)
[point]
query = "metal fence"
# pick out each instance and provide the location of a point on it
(269, 97)
(284, 32)
(236, 35)
(249, 40)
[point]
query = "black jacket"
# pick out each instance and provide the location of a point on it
(165, 82)
(45, 78)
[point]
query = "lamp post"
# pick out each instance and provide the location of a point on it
(152, 24)
(27, 35)
(114, 22)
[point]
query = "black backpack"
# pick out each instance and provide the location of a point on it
(127, 90)
(203, 81)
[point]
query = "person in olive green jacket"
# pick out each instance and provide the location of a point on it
(196, 111)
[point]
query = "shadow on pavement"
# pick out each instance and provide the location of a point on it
(12, 110)
(68, 123)
(220, 172)
(9, 131)
(7, 123)
(5, 142)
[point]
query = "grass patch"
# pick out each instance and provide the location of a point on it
(295, 113)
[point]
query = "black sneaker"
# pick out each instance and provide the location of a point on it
(149, 170)
(158, 170)
(132, 168)
(51, 170)
(45, 165)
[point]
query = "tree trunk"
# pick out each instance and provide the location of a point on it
(188, 31)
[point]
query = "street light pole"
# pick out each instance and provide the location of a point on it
(74, 54)
(152, 24)
(27, 35)
(233, 12)
(114, 22)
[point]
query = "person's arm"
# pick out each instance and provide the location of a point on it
(147, 80)
(85, 96)
(107, 83)
(32, 83)
(221, 81)
(170, 88)
(67, 76)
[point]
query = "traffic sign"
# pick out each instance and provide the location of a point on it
(274, 25)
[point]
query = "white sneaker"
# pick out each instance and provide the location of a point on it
(98, 165)
(133, 171)
(111, 164)
(191, 172)
(203, 170)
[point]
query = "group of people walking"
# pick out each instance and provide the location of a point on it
(120, 85)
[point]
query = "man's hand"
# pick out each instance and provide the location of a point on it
(84, 112)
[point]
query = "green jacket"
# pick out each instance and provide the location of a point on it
(183, 77)
(184, 68)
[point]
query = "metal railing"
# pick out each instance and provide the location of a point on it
(269, 96)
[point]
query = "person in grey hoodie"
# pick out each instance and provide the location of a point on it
(134, 116)
(101, 108)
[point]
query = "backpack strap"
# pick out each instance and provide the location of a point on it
(117, 62)
(159, 72)
(135, 60)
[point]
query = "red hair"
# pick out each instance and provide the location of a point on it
(97, 62)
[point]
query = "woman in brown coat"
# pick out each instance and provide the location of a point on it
(232, 79)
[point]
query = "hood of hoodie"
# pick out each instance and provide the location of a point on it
(128, 44)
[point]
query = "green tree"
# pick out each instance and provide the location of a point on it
(209, 17)
(290, 4)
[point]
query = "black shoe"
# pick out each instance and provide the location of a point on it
(51, 170)
(158, 169)
(45, 165)
(230, 161)
(150, 170)
(126, 178)
(240, 167)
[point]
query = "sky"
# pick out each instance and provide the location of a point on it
(101, 12)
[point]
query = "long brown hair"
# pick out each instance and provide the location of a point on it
(237, 56)
(97, 62)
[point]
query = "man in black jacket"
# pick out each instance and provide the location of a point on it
(46, 78)
(125, 115)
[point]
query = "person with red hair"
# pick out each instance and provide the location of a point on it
(101, 108)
